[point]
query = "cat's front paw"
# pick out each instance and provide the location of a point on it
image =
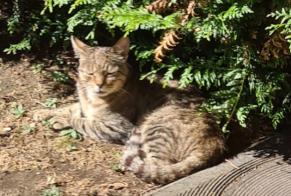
(75, 111)
(41, 115)
(56, 122)
(59, 123)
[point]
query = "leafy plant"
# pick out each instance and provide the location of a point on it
(116, 167)
(52, 191)
(37, 68)
(47, 123)
(50, 103)
(132, 19)
(65, 142)
(17, 110)
(59, 76)
(28, 129)
(22, 45)
(25, 21)
(284, 27)
(71, 133)
(236, 52)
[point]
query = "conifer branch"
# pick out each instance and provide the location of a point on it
(274, 47)
(170, 38)
(168, 42)
(158, 6)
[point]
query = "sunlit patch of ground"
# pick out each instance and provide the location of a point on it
(35, 160)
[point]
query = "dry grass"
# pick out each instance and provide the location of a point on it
(33, 161)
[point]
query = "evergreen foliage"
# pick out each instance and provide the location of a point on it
(236, 51)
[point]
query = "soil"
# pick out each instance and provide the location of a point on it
(34, 160)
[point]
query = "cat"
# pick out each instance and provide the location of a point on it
(166, 137)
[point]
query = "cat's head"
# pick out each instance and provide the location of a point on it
(102, 70)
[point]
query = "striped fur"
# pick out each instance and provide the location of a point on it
(171, 138)
(103, 72)
(115, 131)
(172, 142)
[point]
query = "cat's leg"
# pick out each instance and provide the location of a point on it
(133, 154)
(115, 130)
(62, 121)
(45, 114)
(60, 117)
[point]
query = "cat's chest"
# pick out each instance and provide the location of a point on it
(91, 110)
(98, 110)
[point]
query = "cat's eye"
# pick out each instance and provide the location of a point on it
(110, 76)
(87, 73)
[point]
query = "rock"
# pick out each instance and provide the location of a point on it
(6, 131)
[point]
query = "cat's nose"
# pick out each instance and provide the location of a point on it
(98, 89)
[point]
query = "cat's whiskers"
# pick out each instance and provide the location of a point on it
(125, 91)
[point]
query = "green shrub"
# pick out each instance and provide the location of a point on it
(236, 52)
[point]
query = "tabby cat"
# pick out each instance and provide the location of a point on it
(165, 135)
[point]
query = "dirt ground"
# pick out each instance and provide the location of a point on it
(34, 160)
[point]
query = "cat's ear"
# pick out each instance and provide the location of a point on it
(80, 48)
(122, 46)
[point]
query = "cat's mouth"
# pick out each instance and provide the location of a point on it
(100, 93)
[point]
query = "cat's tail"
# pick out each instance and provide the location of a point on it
(151, 169)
